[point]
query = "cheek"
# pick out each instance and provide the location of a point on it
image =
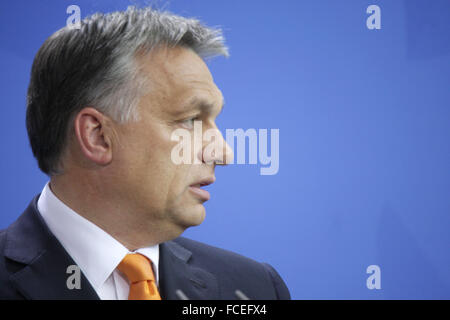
(158, 174)
(177, 178)
(145, 159)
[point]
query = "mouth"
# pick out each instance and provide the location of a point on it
(197, 190)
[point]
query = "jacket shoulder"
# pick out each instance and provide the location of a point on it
(7, 268)
(255, 279)
(215, 254)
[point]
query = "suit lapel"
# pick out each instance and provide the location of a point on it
(177, 274)
(44, 276)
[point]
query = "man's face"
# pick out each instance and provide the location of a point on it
(160, 192)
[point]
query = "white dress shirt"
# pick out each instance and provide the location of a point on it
(96, 253)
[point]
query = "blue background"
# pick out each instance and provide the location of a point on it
(364, 137)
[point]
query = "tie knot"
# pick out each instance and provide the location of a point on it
(136, 267)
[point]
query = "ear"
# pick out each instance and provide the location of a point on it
(91, 128)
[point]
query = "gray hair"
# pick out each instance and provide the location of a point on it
(96, 66)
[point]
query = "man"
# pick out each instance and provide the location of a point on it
(103, 103)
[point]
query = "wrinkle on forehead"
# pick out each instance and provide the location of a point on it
(177, 73)
(177, 62)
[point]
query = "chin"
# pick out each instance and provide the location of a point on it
(193, 216)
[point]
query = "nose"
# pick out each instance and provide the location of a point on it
(215, 149)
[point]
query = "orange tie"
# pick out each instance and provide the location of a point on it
(138, 270)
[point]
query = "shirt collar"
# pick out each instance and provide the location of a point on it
(96, 252)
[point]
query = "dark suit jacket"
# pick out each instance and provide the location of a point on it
(33, 265)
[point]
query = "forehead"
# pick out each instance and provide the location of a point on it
(179, 74)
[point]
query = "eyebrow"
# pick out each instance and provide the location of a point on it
(203, 105)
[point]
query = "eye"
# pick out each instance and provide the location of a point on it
(189, 123)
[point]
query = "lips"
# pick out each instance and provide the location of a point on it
(200, 193)
(204, 182)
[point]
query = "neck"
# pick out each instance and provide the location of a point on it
(92, 198)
